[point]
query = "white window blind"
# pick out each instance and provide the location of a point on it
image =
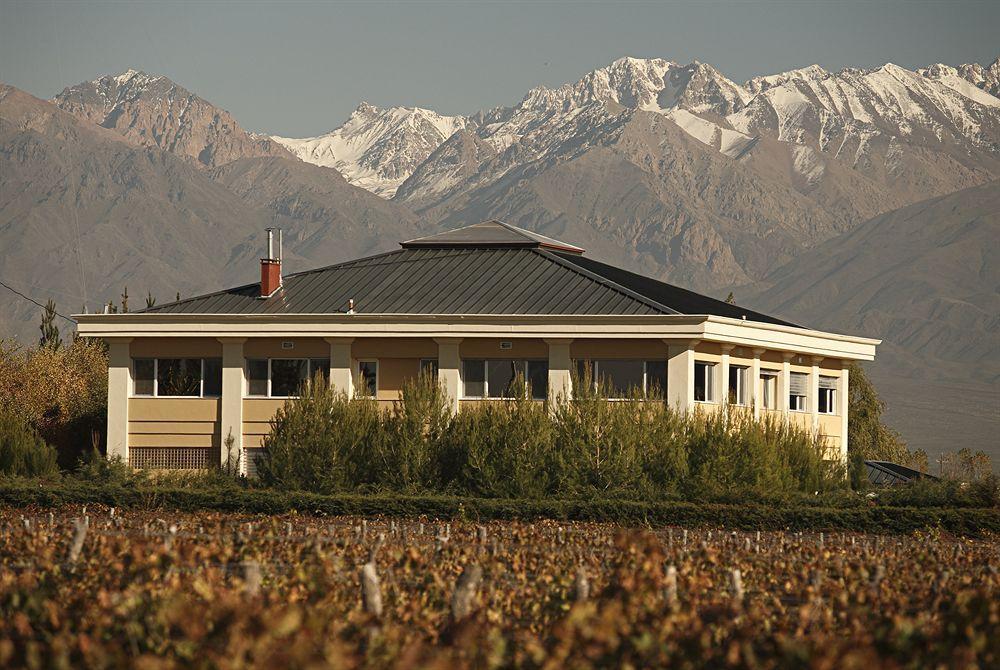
(798, 384)
(828, 383)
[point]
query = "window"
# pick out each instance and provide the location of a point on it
(798, 385)
(429, 367)
(738, 385)
(282, 377)
(143, 374)
(367, 379)
(768, 389)
(177, 377)
(497, 378)
(622, 377)
(827, 395)
(704, 381)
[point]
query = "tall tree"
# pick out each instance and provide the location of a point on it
(50, 331)
(868, 438)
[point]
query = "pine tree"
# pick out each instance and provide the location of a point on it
(125, 300)
(731, 299)
(150, 300)
(50, 331)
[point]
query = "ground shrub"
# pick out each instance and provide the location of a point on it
(23, 452)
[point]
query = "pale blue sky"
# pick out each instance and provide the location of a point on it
(299, 69)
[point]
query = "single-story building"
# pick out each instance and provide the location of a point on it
(477, 306)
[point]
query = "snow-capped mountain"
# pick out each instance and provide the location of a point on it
(986, 78)
(153, 111)
(378, 149)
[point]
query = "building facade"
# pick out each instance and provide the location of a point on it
(195, 383)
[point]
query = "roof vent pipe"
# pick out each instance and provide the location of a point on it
(350, 306)
(270, 267)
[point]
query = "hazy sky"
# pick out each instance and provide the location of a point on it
(299, 69)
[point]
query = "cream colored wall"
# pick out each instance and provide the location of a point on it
(173, 422)
(257, 415)
(302, 347)
(392, 373)
(176, 347)
(522, 348)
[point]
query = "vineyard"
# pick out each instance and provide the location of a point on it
(98, 587)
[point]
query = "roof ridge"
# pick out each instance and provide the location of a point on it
(649, 302)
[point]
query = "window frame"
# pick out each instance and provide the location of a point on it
(360, 377)
(741, 397)
(486, 378)
(830, 392)
(710, 374)
(156, 379)
(768, 376)
(594, 364)
(802, 406)
(310, 373)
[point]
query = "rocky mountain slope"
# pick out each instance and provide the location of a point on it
(85, 213)
(152, 111)
(984, 77)
(378, 148)
(926, 279)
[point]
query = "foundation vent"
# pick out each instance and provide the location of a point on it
(172, 458)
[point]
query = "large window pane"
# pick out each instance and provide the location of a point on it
(474, 378)
(538, 378)
(619, 377)
(288, 375)
(212, 385)
(429, 368)
(500, 377)
(656, 379)
(178, 377)
(737, 385)
(257, 376)
(703, 378)
(319, 366)
(143, 370)
(368, 378)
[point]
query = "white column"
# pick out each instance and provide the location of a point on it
(784, 382)
(813, 398)
(449, 370)
(560, 376)
(233, 390)
(843, 404)
(119, 388)
(341, 365)
(724, 371)
(754, 381)
(680, 374)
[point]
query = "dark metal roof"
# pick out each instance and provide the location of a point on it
(677, 298)
(884, 473)
(434, 281)
(490, 234)
(488, 268)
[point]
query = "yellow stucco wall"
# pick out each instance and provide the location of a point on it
(173, 422)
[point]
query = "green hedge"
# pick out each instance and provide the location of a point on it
(879, 519)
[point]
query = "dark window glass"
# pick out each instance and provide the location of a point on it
(143, 370)
(368, 378)
(737, 385)
(656, 379)
(703, 381)
(474, 378)
(257, 376)
(319, 366)
(826, 405)
(287, 376)
(538, 378)
(429, 367)
(212, 384)
(501, 375)
(585, 373)
(178, 377)
(619, 377)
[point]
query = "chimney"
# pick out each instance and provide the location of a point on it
(270, 267)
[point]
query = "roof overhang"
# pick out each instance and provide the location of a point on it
(690, 327)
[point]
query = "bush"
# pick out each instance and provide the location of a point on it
(407, 453)
(23, 453)
(61, 392)
(321, 441)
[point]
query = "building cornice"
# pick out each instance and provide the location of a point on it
(707, 328)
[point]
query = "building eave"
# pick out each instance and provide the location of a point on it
(701, 327)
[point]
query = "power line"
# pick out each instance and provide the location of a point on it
(30, 299)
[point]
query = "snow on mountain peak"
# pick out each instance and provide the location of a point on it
(378, 148)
